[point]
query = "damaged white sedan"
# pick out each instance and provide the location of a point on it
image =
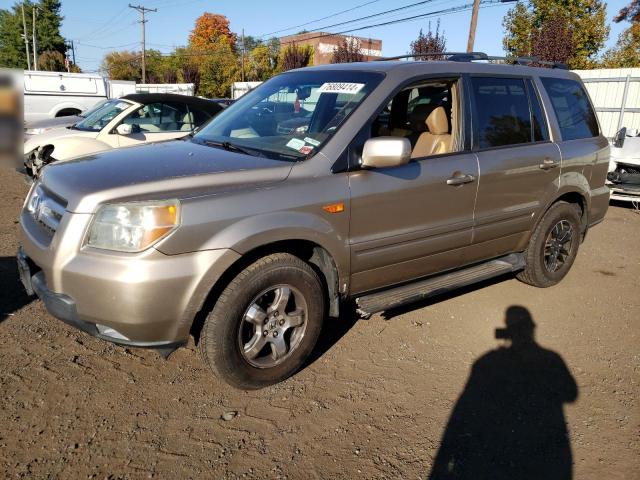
(131, 120)
(624, 166)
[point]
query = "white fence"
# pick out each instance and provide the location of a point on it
(615, 93)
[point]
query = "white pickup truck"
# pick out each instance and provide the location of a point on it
(58, 94)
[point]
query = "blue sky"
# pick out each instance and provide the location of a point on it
(95, 25)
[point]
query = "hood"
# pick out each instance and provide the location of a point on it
(54, 122)
(50, 136)
(174, 169)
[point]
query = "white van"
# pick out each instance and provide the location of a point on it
(58, 94)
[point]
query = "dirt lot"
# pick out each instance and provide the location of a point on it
(376, 402)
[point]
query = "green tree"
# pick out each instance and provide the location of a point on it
(123, 65)
(626, 52)
(585, 19)
(263, 62)
(48, 38)
(218, 68)
(295, 56)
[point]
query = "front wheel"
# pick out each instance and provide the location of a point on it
(265, 323)
(553, 247)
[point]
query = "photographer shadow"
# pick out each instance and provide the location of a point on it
(12, 294)
(509, 421)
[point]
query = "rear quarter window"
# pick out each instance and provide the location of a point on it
(572, 108)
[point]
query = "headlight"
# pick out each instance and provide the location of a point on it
(133, 227)
(35, 131)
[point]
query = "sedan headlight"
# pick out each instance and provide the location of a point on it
(35, 131)
(133, 227)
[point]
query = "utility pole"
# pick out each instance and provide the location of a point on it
(242, 54)
(472, 27)
(73, 52)
(35, 42)
(26, 39)
(142, 11)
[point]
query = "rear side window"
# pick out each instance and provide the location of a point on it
(572, 107)
(502, 111)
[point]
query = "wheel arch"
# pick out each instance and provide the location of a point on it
(309, 251)
(569, 195)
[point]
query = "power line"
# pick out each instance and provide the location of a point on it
(320, 19)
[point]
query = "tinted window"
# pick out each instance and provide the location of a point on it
(571, 104)
(540, 131)
(502, 108)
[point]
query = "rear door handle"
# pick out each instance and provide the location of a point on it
(460, 179)
(548, 164)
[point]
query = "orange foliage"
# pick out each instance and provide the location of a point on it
(209, 28)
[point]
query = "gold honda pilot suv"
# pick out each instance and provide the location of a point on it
(381, 182)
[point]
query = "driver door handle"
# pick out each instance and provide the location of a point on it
(548, 164)
(460, 179)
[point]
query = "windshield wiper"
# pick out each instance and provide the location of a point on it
(230, 147)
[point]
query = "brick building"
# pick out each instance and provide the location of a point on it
(325, 43)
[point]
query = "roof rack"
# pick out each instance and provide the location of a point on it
(474, 56)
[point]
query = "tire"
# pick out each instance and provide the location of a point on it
(539, 255)
(242, 337)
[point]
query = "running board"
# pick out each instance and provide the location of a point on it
(419, 290)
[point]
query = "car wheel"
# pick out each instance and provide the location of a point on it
(553, 246)
(265, 323)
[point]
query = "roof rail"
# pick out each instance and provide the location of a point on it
(473, 56)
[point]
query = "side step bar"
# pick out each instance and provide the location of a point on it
(421, 289)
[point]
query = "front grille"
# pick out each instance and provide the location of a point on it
(46, 208)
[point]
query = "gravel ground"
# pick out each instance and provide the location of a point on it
(388, 397)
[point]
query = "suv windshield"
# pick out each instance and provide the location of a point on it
(291, 115)
(96, 119)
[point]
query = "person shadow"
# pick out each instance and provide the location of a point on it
(509, 422)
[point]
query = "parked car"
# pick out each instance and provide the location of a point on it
(265, 234)
(41, 126)
(131, 120)
(624, 167)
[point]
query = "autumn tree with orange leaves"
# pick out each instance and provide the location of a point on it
(209, 30)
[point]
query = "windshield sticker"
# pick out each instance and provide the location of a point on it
(312, 141)
(306, 150)
(341, 87)
(295, 143)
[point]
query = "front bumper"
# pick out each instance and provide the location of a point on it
(148, 299)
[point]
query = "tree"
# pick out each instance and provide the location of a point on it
(51, 61)
(295, 56)
(429, 43)
(630, 13)
(123, 65)
(585, 19)
(263, 63)
(553, 41)
(347, 51)
(209, 29)
(48, 38)
(218, 69)
(626, 52)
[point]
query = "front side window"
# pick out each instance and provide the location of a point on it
(572, 107)
(502, 112)
(290, 116)
(160, 117)
(98, 118)
(426, 114)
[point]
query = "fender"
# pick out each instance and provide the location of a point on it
(261, 230)
(70, 147)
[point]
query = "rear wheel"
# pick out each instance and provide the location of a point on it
(553, 246)
(265, 322)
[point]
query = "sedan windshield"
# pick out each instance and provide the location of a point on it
(98, 118)
(290, 116)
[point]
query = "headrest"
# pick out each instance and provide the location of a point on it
(419, 114)
(437, 122)
(187, 118)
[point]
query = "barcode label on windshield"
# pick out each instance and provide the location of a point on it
(340, 87)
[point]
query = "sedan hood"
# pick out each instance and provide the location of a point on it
(56, 122)
(174, 169)
(50, 136)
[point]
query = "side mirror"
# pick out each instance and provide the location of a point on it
(384, 152)
(124, 129)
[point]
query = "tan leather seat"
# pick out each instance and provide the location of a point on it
(437, 139)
